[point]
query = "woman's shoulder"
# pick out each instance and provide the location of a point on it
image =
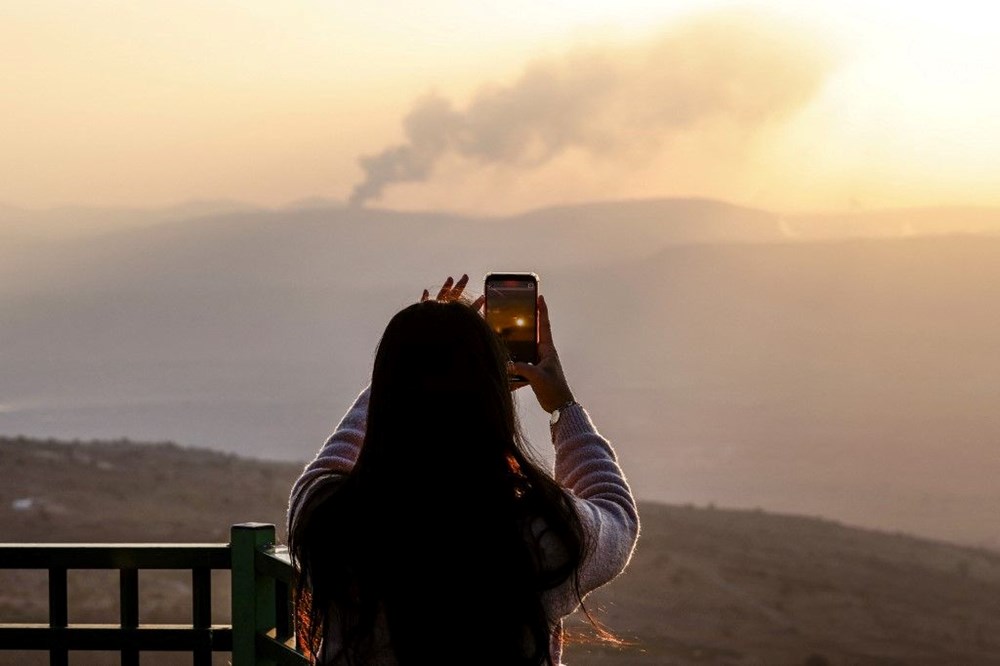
(548, 548)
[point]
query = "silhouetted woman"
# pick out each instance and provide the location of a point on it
(425, 532)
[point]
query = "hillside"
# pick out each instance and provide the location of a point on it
(706, 585)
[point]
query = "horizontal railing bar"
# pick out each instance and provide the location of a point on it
(281, 653)
(274, 562)
(157, 638)
(114, 556)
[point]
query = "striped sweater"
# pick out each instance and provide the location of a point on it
(585, 465)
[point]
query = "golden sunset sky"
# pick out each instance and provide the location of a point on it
(500, 107)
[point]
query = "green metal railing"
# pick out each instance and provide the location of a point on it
(262, 630)
(263, 616)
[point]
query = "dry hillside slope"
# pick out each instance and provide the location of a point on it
(706, 585)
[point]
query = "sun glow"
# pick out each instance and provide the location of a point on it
(268, 103)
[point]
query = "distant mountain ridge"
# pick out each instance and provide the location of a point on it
(850, 378)
(78, 221)
(706, 220)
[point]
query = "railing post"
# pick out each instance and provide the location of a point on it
(58, 615)
(201, 612)
(253, 597)
(129, 610)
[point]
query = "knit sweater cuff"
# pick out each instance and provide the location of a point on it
(573, 420)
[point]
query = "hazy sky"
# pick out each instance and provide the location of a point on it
(500, 106)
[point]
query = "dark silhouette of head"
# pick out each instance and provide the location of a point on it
(428, 539)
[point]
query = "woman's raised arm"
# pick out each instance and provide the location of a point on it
(337, 456)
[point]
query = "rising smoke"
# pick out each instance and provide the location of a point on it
(607, 100)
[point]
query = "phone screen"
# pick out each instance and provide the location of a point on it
(511, 310)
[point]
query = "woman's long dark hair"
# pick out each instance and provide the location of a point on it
(429, 537)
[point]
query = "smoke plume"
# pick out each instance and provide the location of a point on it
(607, 100)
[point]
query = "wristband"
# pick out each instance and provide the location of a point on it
(556, 413)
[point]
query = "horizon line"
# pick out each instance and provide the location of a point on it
(323, 202)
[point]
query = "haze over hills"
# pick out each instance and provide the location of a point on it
(75, 221)
(837, 367)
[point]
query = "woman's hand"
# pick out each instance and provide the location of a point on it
(452, 291)
(546, 378)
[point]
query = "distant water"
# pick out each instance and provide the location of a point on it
(260, 429)
(665, 457)
(290, 430)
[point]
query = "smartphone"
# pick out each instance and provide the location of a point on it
(512, 312)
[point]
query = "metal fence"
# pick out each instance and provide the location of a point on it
(262, 630)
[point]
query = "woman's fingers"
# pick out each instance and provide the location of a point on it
(525, 370)
(445, 288)
(459, 287)
(515, 370)
(452, 291)
(544, 326)
(545, 344)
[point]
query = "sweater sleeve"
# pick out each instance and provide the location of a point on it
(337, 456)
(587, 467)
